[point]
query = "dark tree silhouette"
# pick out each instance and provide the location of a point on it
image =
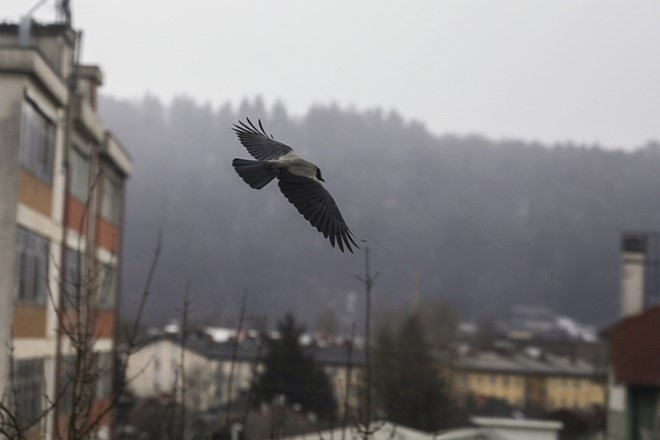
(291, 371)
(385, 382)
(407, 385)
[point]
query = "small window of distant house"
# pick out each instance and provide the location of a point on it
(107, 283)
(79, 175)
(38, 142)
(111, 200)
(31, 268)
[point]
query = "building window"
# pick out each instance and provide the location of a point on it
(111, 199)
(79, 175)
(218, 384)
(38, 142)
(157, 367)
(73, 275)
(103, 375)
(28, 379)
(107, 283)
(67, 374)
(31, 280)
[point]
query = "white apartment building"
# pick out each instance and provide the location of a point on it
(62, 178)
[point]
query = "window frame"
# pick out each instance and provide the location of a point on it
(38, 141)
(30, 256)
(65, 403)
(29, 386)
(79, 187)
(104, 375)
(111, 196)
(107, 291)
(74, 272)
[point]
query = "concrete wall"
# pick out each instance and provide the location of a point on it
(10, 106)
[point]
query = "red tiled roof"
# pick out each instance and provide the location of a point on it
(634, 345)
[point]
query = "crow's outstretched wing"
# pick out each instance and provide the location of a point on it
(257, 142)
(318, 207)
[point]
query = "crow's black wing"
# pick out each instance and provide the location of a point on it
(257, 142)
(318, 207)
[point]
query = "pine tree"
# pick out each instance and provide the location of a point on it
(291, 371)
(407, 385)
(385, 387)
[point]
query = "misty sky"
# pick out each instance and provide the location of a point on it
(548, 70)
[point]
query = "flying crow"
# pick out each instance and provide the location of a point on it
(298, 179)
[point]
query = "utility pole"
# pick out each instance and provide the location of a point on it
(368, 281)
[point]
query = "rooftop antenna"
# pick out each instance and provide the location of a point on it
(33, 9)
(64, 12)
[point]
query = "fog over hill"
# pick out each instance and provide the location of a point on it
(481, 224)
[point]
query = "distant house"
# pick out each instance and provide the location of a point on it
(534, 382)
(154, 369)
(335, 363)
(634, 391)
(542, 323)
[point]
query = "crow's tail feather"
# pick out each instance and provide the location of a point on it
(256, 173)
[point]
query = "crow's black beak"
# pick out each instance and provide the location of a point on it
(321, 179)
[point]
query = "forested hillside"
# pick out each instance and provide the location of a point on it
(479, 223)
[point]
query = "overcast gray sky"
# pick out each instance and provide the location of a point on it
(548, 70)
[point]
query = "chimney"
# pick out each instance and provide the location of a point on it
(633, 267)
